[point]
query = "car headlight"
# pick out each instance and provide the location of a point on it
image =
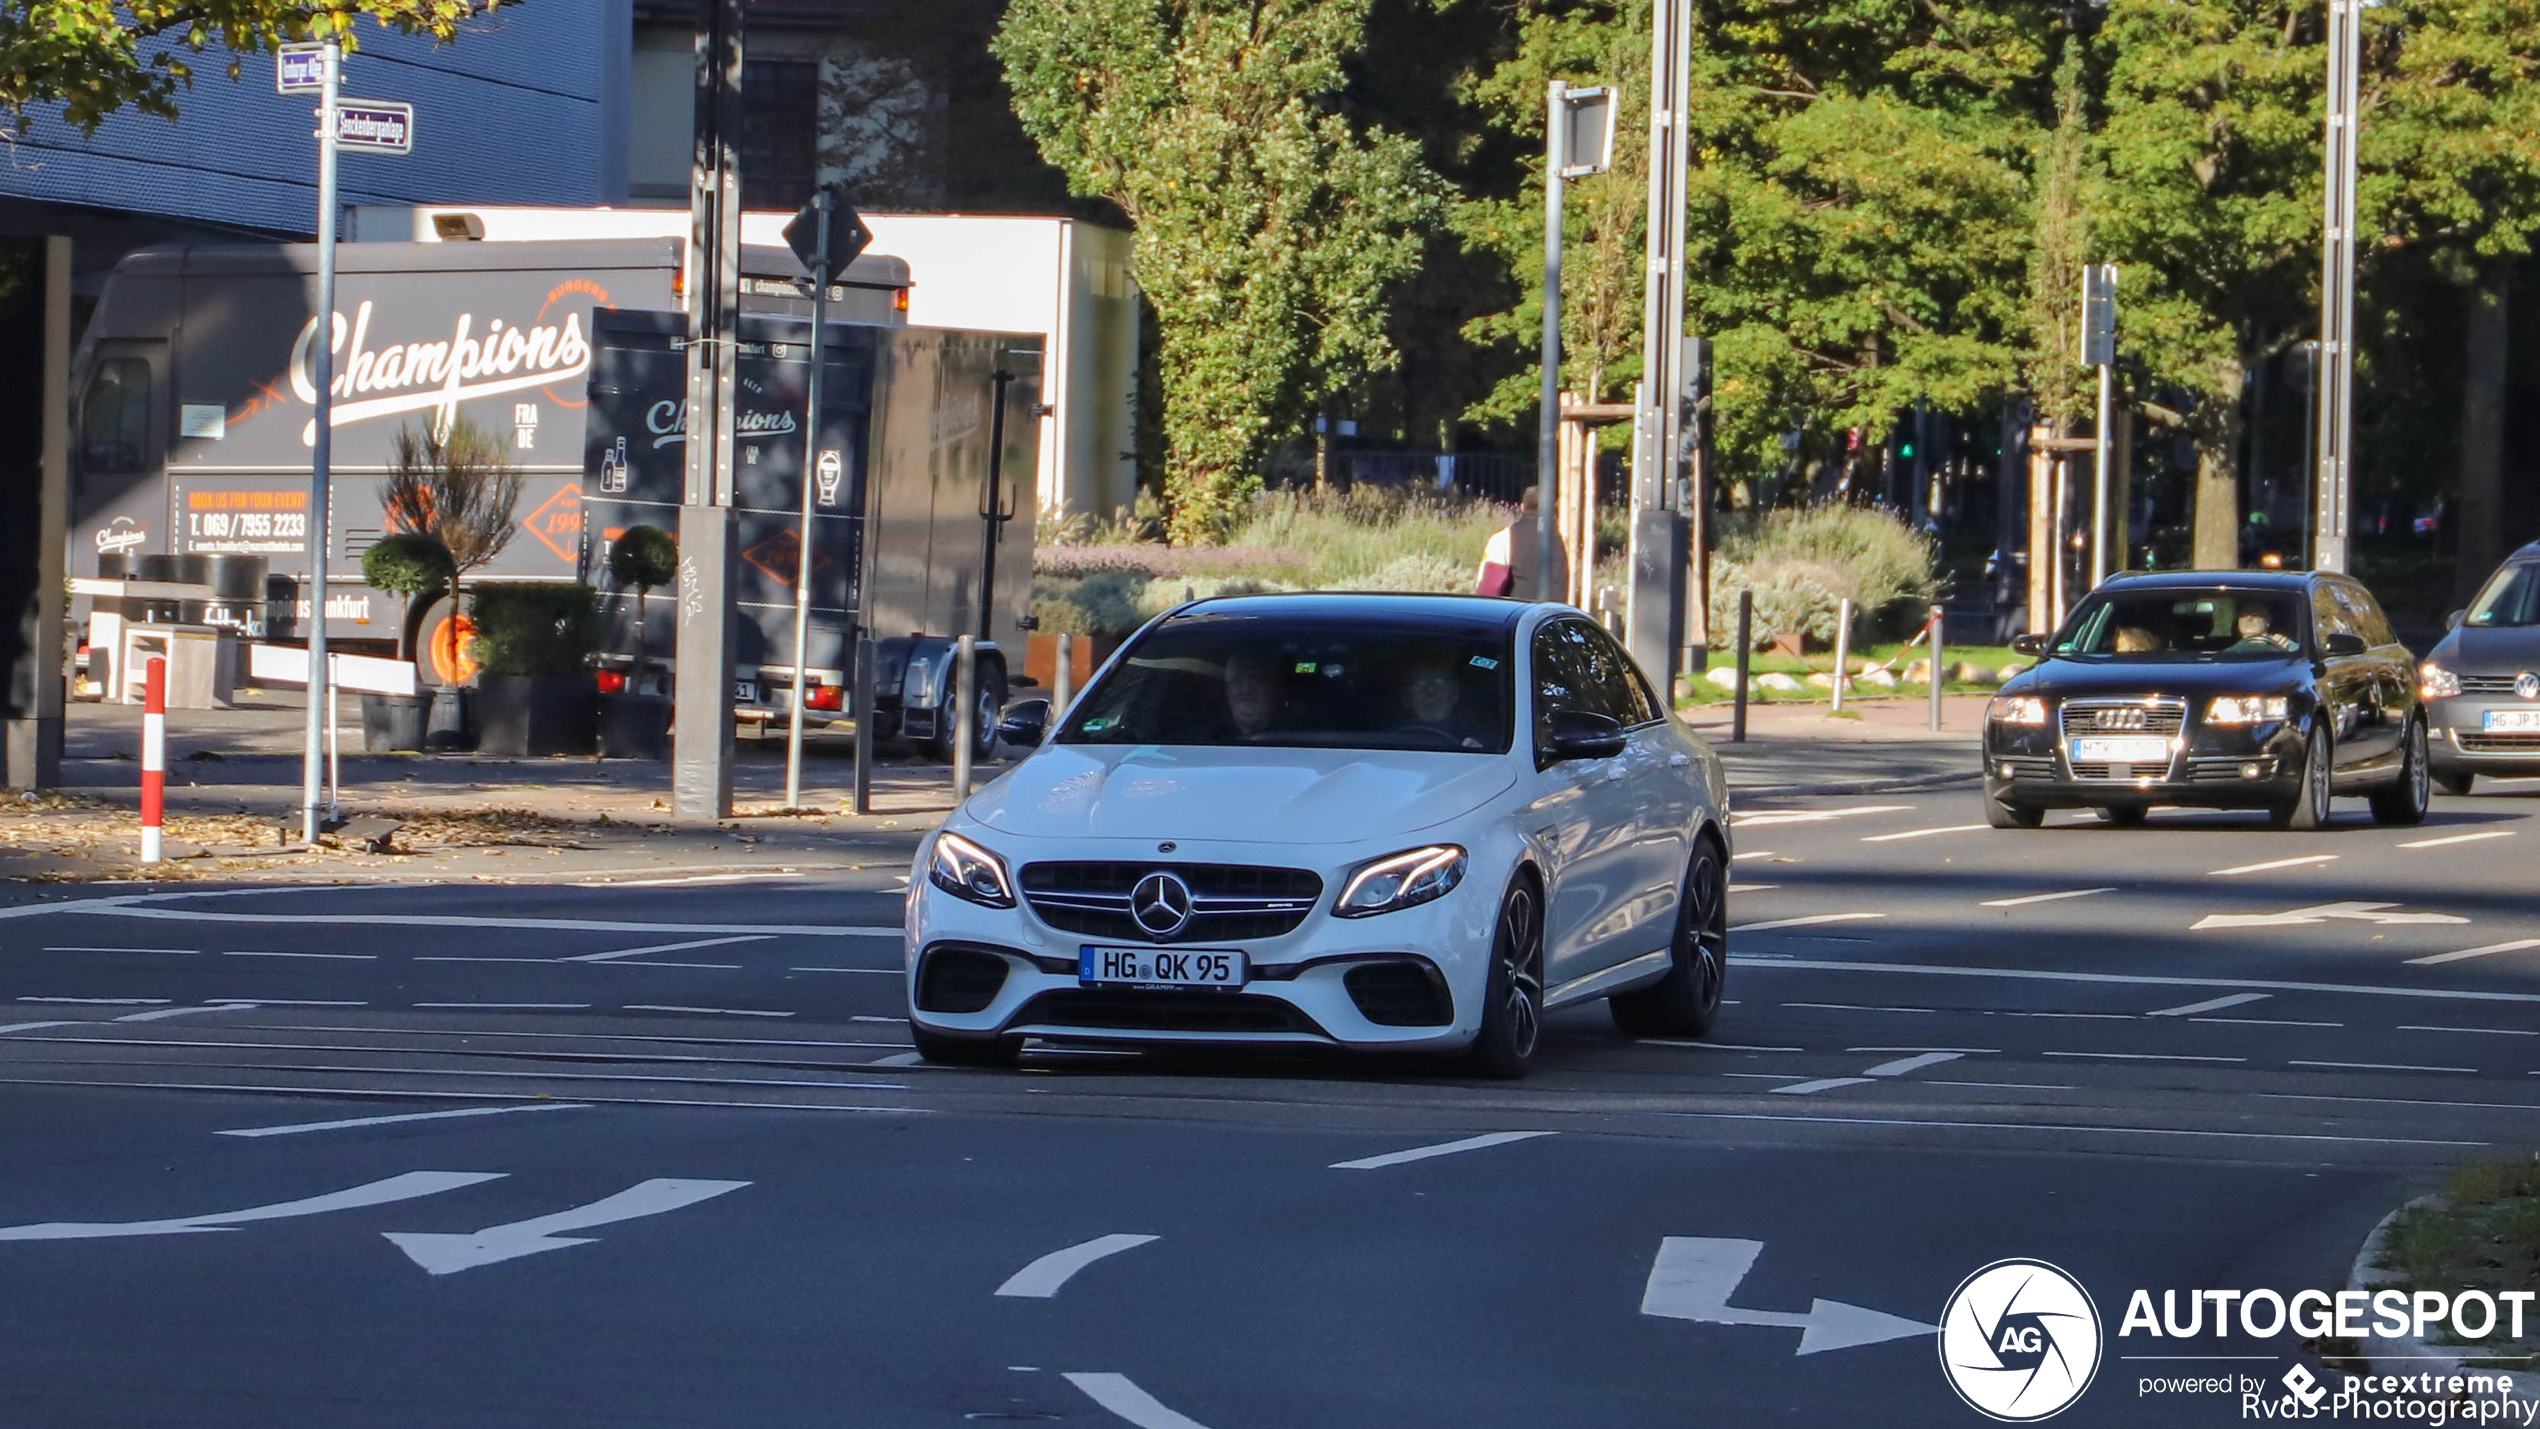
(1402, 880)
(2016, 709)
(2435, 683)
(2246, 709)
(965, 870)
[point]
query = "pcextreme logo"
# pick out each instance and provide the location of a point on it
(2019, 1341)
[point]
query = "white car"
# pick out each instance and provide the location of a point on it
(1381, 823)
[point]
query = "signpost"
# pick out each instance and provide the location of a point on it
(1578, 140)
(373, 126)
(827, 235)
(2099, 349)
(1664, 611)
(2335, 420)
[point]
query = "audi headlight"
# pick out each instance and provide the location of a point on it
(2017, 709)
(1402, 880)
(965, 870)
(2246, 709)
(2435, 683)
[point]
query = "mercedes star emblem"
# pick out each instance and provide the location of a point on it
(1161, 904)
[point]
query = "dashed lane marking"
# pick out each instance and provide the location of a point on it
(1925, 833)
(166, 1012)
(2273, 864)
(2264, 1022)
(1821, 1084)
(1811, 921)
(508, 1006)
(881, 972)
(2483, 1031)
(337, 957)
(104, 1001)
(2517, 945)
(1902, 1065)
(1121, 1395)
(1712, 1046)
(465, 920)
(1855, 1007)
(1897, 1068)
(2461, 839)
(1443, 1148)
(1043, 1277)
(1753, 853)
(348, 1123)
(897, 1059)
(691, 878)
(35, 1026)
(1952, 1051)
(2211, 1004)
(2045, 897)
(2129, 979)
(83, 948)
(1771, 817)
(2078, 1127)
(445, 1095)
(2376, 1066)
(668, 948)
(709, 1011)
(2144, 1056)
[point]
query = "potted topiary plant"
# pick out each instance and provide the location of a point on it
(533, 647)
(459, 486)
(417, 566)
(635, 715)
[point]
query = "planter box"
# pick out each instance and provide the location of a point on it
(531, 715)
(634, 726)
(1040, 658)
(394, 722)
(451, 727)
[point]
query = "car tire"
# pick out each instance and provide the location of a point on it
(2309, 808)
(2454, 781)
(1686, 1001)
(983, 732)
(1512, 994)
(946, 1050)
(2012, 816)
(2403, 803)
(2124, 816)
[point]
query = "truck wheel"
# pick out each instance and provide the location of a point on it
(991, 708)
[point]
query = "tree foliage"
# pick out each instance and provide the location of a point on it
(1269, 228)
(94, 57)
(459, 486)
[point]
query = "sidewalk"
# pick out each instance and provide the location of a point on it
(1803, 749)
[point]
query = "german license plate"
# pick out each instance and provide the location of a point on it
(2513, 719)
(746, 691)
(1159, 967)
(2138, 749)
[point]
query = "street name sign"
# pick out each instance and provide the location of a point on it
(376, 126)
(299, 69)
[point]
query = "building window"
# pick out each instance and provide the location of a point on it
(780, 138)
(114, 418)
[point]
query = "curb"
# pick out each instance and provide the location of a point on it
(1866, 786)
(2407, 1354)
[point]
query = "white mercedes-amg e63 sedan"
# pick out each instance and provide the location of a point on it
(1381, 823)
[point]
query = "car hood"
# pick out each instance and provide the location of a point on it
(1302, 796)
(2068, 679)
(2489, 650)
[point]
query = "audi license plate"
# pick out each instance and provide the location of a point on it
(2513, 720)
(1159, 967)
(2139, 749)
(745, 691)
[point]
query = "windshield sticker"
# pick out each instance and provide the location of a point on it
(1332, 671)
(1303, 667)
(1484, 662)
(1099, 723)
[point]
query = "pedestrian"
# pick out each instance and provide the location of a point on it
(1509, 567)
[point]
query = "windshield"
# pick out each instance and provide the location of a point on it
(2512, 597)
(2171, 626)
(1257, 681)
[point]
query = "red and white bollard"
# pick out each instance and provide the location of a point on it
(154, 754)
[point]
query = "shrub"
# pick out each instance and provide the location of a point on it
(1103, 603)
(1419, 571)
(536, 628)
(645, 557)
(1791, 597)
(1868, 555)
(409, 563)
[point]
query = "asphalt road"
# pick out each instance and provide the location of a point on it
(656, 1153)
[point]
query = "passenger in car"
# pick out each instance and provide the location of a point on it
(2135, 640)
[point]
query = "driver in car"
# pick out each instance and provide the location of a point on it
(2257, 634)
(1431, 692)
(1252, 693)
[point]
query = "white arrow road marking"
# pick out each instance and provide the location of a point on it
(2321, 913)
(447, 1254)
(1040, 1280)
(1897, 1068)
(2517, 945)
(377, 1193)
(32, 1026)
(1926, 833)
(2275, 863)
(2212, 1004)
(166, 1012)
(1443, 1148)
(2461, 839)
(1694, 1276)
(2045, 897)
(1117, 1393)
(297, 1128)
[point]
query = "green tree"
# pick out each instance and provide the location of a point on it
(1268, 227)
(94, 57)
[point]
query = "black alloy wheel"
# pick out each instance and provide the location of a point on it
(2309, 809)
(1686, 1002)
(1512, 996)
(2403, 802)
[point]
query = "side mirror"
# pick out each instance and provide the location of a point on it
(1584, 734)
(2342, 644)
(2029, 645)
(2453, 620)
(1026, 724)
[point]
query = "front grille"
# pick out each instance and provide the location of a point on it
(2499, 743)
(1400, 994)
(2225, 770)
(2024, 766)
(1229, 902)
(2487, 684)
(1161, 1011)
(2124, 716)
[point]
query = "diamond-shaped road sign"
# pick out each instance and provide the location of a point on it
(847, 234)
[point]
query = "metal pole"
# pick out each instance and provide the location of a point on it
(1842, 647)
(2058, 549)
(860, 793)
(154, 754)
(1745, 656)
(2104, 468)
(1556, 144)
(1063, 692)
(334, 746)
(2337, 291)
(802, 556)
(965, 726)
(322, 452)
(1938, 678)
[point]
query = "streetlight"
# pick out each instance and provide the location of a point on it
(1578, 140)
(2336, 366)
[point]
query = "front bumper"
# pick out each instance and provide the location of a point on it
(1299, 991)
(2233, 767)
(2458, 741)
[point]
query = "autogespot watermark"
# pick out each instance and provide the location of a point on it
(2020, 1340)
